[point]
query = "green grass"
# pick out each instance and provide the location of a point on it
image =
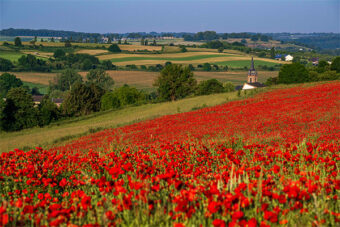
(11, 55)
(43, 89)
(70, 129)
(243, 63)
(189, 58)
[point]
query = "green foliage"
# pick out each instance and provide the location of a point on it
(206, 67)
(323, 66)
(114, 48)
(228, 87)
(17, 42)
(175, 82)
(122, 96)
(207, 87)
(7, 82)
(18, 111)
(100, 78)
(65, 80)
(272, 53)
(183, 49)
(83, 99)
(336, 64)
(5, 65)
(59, 53)
(271, 81)
(48, 111)
(313, 76)
(30, 62)
(293, 73)
(109, 100)
(329, 75)
(220, 49)
(107, 65)
(68, 43)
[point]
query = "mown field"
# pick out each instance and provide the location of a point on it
(144, 80)
(269, 160)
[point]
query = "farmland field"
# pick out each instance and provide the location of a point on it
(268, 160)
(144, 80)
(10, 55)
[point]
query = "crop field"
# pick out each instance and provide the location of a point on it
(144, 80)
(268, 160)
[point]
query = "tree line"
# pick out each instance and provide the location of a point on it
(96, 93)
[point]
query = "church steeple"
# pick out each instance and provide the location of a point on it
(252, 74)
(252, 64)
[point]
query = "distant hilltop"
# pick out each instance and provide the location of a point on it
(320, 41)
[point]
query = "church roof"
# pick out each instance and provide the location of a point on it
(252, 68)
(256, 84)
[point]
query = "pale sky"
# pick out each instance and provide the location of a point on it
(120, 16)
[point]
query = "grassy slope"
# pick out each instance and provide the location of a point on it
(68, 129)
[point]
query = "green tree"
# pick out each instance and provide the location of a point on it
(5, 65)
(7, 82)
(228, 87)
(175, 82)
(18, 111)
(220, 49)
(206, 67)
(83, 99)
(114, 48)
(109, 100)
(59, 53)
(48, 111)
(183, 49)
(17, 42)
(129, 95)
(322, 66)
(154, 43)
(119, 41)
(107, 65)
(272, 53)
(336, 64)
(142, 42)
(109, 40)
(100, 78)
(293, 73)
(65, 80)
(146, 42)
(68, 43)
(329, 75)
(211, 86)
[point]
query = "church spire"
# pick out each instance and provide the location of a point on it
(252, 64)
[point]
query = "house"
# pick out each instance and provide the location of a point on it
(252, 81)
(38, 98)
(289, 57)
(315, 61)
(278, 57)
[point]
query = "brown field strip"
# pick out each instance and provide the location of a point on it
(91, 51)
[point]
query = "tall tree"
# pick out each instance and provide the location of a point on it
(18, 112)
(175, 82)
(114, 48)
(7, 82)
(336, 64)
(83, 99)
(272, 53)
(293, 73)
(65, 80)
(100, 78)
(17, 41)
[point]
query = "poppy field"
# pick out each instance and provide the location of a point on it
(269, 160)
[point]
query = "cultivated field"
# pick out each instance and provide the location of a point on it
(144, 80)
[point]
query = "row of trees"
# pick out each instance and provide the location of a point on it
(212, 35)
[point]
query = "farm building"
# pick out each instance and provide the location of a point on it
(252, 81)
(289, 57)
